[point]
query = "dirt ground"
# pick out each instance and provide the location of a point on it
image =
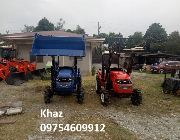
(157, 118)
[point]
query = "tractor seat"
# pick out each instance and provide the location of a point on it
(116, 69)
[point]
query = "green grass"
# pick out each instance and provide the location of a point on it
(154, 100)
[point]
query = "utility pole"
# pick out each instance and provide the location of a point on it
(99, 27)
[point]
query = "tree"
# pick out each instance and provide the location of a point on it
(174, 36)
(154, 35)
(79, 30)
(173, 43)
(101, 35)
(69, 30)
(111, 38)
(44, 25)
(60, 24)
(115, 41)
(135, 39)
(28, 28)
(7, 31)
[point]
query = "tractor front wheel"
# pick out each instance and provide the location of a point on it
(136, 97)
(48, 94)
(166, 91)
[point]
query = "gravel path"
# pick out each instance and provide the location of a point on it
(147, 127)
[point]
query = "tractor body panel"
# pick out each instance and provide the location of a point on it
(121, 82)
(29, 66)
(4, 72)
(65, 80)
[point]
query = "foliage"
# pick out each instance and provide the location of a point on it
(110, 38)
(28, 28)
(93, 71)
(173, 43)
(78, 30)
(114, 41)
(135, 39)
(44, 25)
(60, 25)
(155, 34)
(69, 30)
(101, 35)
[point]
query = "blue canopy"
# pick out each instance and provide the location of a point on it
(58, 46)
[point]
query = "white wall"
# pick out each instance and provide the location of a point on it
(85, 65)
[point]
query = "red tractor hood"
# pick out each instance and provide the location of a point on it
(119, 75)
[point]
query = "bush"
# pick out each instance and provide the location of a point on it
(93, 71)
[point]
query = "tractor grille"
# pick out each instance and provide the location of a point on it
(64, 82)
(126, 81)
(64, 79)
(125, 87)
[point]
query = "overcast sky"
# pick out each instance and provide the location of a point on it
(125, 16)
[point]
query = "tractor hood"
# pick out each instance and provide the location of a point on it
(119, 75)
(65, 73)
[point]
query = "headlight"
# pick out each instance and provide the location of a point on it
(118, 81)
(126, 81)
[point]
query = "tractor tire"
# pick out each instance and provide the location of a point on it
(98, 87)
(25, 77)
(166, 91)
(47, 95)
(174, 92)
(29, 75)
(104, 97)
(80, 95)
(136, 97)
(9, 80)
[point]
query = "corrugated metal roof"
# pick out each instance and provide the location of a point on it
(30, 35)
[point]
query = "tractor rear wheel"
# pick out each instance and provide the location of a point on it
(136, 97)
(48, 94)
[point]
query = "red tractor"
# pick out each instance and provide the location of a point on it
(4, 72)
(30, 67)
(19, 69)
(115, 81)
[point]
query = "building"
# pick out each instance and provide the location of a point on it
(22, 42)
